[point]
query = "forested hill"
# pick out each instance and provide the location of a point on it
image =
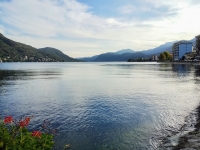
(11, 51)
(58, 53)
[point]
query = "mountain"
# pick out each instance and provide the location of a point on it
(14, 51)
(119, 57)
(58, 54)
(193, 41)
(108, 55)
(125, 51)
(125, 54)
(164, 47)
(88, 58)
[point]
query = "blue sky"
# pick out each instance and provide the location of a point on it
(88, 27)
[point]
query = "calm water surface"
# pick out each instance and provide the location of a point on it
(102, 106)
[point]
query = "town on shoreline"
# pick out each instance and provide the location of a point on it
(11, 51)
(182, 51)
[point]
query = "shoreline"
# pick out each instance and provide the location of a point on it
(191, 140)
(181, 62)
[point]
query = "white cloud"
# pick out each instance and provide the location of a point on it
(71, 27)
(127, 9)
(171, 3)
(45, 18)
(184, 24)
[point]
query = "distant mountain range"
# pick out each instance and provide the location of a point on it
(164, 47)
(14, 51)
(125, 54)
(125, 51)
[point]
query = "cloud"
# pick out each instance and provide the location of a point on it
(184, 22)
(74, 28)
(44, 18)
(169, 3)
(127, 9)
(148, 10)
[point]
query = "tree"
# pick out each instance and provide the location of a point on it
(183, 57)
(168, 55)
(162, 57)
(165, 56)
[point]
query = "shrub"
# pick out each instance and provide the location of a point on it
(14, 135)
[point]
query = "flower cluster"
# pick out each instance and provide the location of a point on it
(8, 119)
(15, 135)
(36, 134)
(24, 122)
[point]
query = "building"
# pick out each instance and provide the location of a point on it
(179, 49)
(154, 58)
(31, 58)
(197, 54)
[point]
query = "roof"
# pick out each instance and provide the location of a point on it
(182, 42)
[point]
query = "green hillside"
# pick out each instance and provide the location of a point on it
(57, 53)
(11, 51)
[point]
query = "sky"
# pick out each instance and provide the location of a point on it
(81, 28)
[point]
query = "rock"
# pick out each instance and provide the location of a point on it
(67, 146)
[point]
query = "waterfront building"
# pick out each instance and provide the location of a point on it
(154, 58)
(179, 49)
(197, 54)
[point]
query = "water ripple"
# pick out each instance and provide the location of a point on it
(104, 106)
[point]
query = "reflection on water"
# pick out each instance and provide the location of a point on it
(102, 106)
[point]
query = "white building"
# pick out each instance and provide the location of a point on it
(179, 49)
(154, 58)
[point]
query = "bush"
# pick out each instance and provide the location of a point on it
(14, 135)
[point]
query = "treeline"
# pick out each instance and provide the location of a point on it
(165, 56)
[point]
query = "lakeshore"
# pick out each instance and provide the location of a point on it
(181, 62)
(188, 137)
(191, 140)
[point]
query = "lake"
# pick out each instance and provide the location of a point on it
(103, 106)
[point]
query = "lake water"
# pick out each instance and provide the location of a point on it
(102, 106)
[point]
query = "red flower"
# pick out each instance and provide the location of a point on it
(22, 124)
(25, 122)
(36, 133)
(8, 119)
